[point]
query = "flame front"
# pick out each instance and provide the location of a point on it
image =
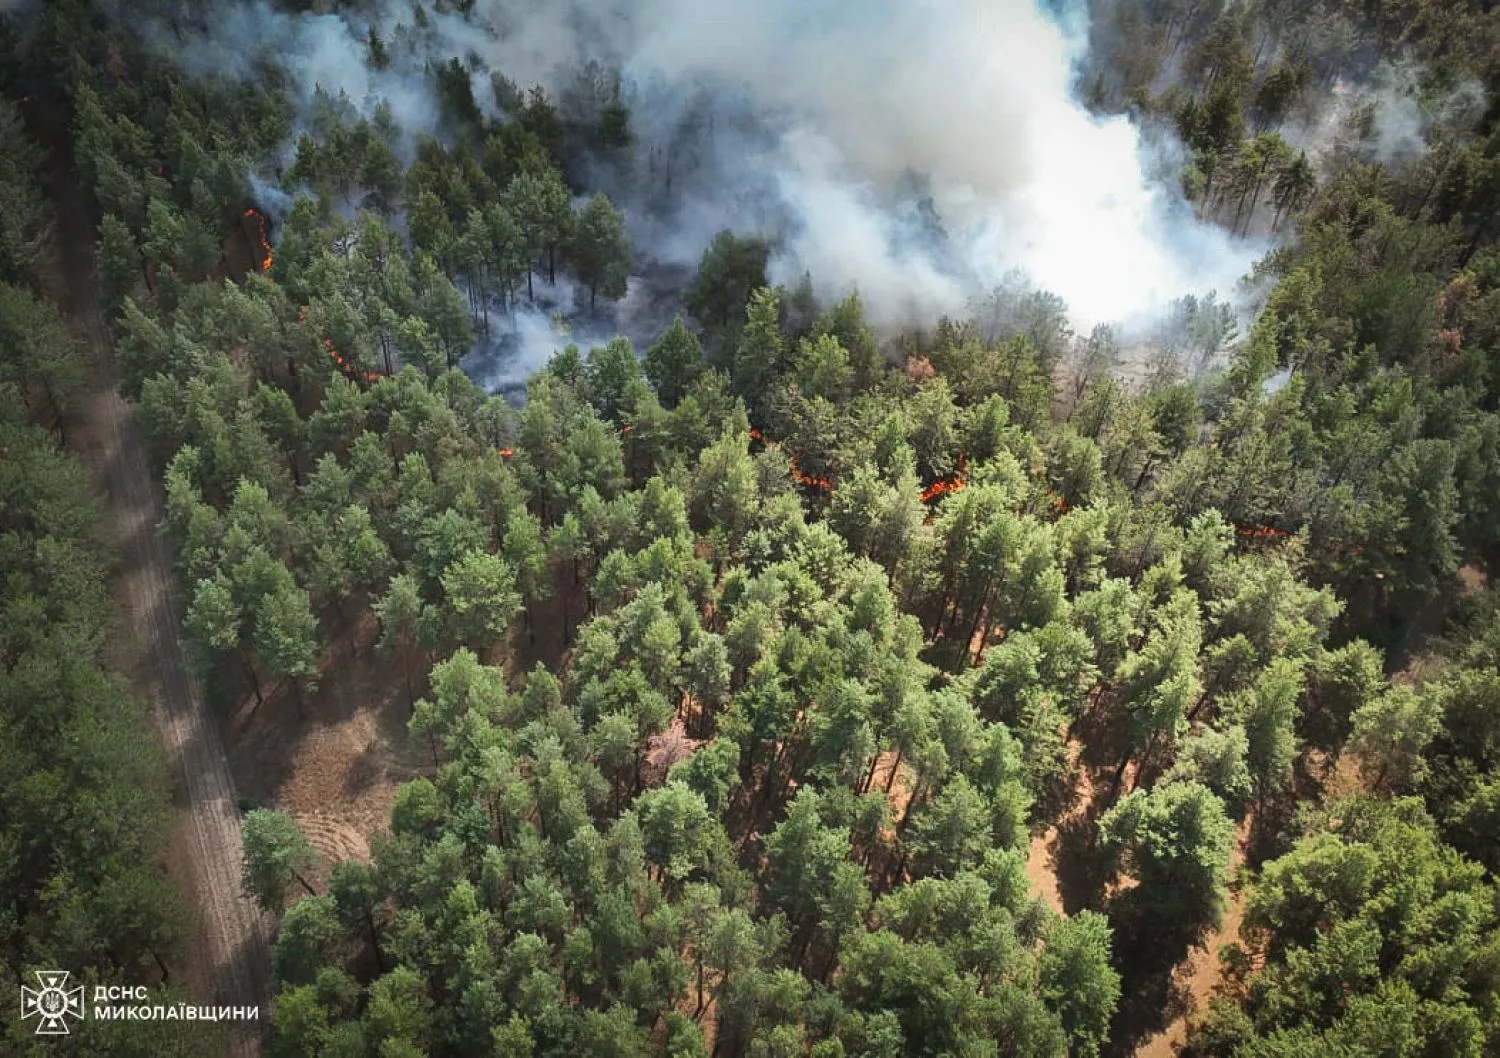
(351, 370)
(354, 371)
(1261, 532)
(266, 256)
(948, 485)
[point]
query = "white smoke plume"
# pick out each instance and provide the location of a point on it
(915, 150)
(972, 97)
(1404, 117)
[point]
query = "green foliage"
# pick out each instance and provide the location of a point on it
(1389, 736)
(787, 702)
(1078, 980)
(674, 362)
(1374, 936)
(276, 855)
(600, 249)
(84, 782)
(25, 218)
(1174, 841)
(731, 270)
(40, 364)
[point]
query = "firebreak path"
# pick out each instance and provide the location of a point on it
(231, 935)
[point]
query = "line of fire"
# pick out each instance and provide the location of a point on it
(936, 491)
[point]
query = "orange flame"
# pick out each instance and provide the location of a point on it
(351, 370)
(941, 488)
(948, 485)
(1261, 532)
(265, 243)
(932, 492)
(1324, 547)
(810, 480)
(1327, 547)
(506, 453)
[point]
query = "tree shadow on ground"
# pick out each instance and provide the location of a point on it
(1147, 953)
(1083, 869)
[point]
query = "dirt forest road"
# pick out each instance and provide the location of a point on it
(230, 943)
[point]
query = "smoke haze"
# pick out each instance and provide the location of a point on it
(967, 101)
(915, 151)
(1390, 119)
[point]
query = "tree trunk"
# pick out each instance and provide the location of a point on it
(980, 610)
(916, 795)
(374, 941)
(890, 780)
(249, 667)
(1120, 774)
(899, 870)
(984, 638)
(1145, 550)
(1480, 234)
(1432, 184)
(1145, 470)
(1254, 198)
(346, 625)
(942, 610)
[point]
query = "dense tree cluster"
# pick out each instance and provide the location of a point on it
(1369, 937)
(82, 777)
(744, 670)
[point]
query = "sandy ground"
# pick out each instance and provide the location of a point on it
(1042, 853)
(334, 762)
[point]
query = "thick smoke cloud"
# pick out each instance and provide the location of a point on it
(970, 100)
(517, 343)
(916, 151)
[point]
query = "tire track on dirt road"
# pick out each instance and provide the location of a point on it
(232, 934)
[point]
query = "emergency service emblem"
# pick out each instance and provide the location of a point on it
(52, 1004)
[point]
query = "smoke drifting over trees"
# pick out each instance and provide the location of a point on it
(916, 153)
(920, 608)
